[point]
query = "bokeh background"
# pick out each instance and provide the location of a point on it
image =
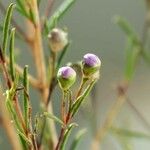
(91, 29)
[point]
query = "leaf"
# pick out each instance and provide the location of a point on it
(132, 55)
(51, 23)
(21, 4)
(123, 24)
(66, 135)
(11, 110)
(23, 142)
(54, 118)
(24, 137)
(13, 113)
(26, 105)
(6, 26)
(128, 133)
(11, 54)
(21, 8)
(32, 16)
(17, 35)
(62, 55)
(24, 13)
(125, 142)
(133, 47)
(81, 98)
(77, 139)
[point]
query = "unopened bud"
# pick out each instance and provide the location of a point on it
(91, 64)
(58, 39)
(66, 77)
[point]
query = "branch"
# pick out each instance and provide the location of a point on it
(49, 8)
(111, 116)
(38, 53)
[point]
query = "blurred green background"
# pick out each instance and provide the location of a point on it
(91, 29)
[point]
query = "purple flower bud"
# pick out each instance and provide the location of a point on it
(66, 77)
(91, 64)
(91, 60)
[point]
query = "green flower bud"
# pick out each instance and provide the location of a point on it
(58, 39)
(91, 64)
(66, 77)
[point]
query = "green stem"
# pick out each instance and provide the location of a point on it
(83, 81)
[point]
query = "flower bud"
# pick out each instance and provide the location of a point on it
(58, 39)
(66, 77)
(91, 64)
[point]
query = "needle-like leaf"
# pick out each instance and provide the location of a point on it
(11, 54)
(6, 26)
(52, 22)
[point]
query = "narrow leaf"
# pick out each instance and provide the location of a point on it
(6, 26)
(11, 54)
(132, 55)
(77, 139)
(129, 133)
(21, 4)
(62, 56)
(81, 98)
(26, 99)
(24, 137)
(11, 109)
(133, 47)
(123, 24)
(51, 23)
(22, 12)
(21, 8)
(66, 135)
(23, 142)
(54, 118)
(32, 16)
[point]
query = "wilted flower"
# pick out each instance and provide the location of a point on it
(66, 77)
(58, 39)
(91, 64)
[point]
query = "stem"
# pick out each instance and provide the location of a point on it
(49, 8)
(63, 117)
(108, 122)
(70, 99)
(38, 53)
(47, 11)
(51, 88)
(111, 116)
(83, 81)
(60, 138)
(52, 80)
(37, 46)
(63, 112)
(139, 114)
(19, 113)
